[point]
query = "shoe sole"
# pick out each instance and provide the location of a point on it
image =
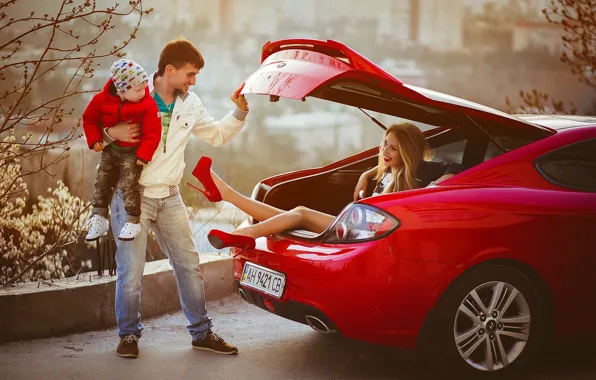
(97, 238)
(128, 356)
(217, 352)
(215, 242)
(125, 239)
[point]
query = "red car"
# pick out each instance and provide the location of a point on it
(480, 271)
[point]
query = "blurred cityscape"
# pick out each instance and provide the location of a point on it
(480, 50)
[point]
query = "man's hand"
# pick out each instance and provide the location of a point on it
(139, 162)
(98, 146)
(125, 132)
(239, 100)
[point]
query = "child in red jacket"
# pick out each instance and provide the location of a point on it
(125, 98)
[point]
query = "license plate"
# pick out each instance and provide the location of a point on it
(263, 279)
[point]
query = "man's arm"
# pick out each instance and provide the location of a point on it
(106, 138)
(218, 133)
(124, 132)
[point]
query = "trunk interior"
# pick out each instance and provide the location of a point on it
(330, 190)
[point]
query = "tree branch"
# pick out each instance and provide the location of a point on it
(58, 21)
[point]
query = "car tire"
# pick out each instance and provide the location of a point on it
(455, 332)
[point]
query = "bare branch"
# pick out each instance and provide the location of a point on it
(23, 105)
(578, 19)
(54, 22)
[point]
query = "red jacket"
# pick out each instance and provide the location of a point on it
(106, 110)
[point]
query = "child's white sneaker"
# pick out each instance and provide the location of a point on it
(129, 231)
(98, 225)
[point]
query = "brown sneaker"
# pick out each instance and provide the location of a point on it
(214, 343)
(128, 347)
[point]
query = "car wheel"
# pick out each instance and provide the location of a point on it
(488, 324)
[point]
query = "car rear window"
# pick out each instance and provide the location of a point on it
(573, 166)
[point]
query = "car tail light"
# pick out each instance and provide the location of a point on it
(358, 223)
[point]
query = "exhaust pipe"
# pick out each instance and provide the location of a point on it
(242, 294)
(318, 325)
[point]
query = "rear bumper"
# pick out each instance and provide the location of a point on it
(292, 310)
(364, 290)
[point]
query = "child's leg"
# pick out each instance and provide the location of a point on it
(107, 178)
(130, 173)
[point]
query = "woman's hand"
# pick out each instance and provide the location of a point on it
(125, 132)
(361, 186)
(443, 177)
(139, 162)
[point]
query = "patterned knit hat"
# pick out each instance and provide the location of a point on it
(126, 74)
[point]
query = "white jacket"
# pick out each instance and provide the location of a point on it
(188, 116)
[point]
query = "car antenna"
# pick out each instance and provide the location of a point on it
(491, 138)
(374, 120)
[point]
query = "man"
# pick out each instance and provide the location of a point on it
(162, 208)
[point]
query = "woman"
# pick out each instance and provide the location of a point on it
(402, 165)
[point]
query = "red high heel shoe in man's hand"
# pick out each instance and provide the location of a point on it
(203, 173)
(220, 239)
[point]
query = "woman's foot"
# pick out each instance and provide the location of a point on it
(220, 240)
(205, 175)
(98, 225)
(129, 231)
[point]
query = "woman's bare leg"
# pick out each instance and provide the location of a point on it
(300, 217)
(272, 219)
(258, 210)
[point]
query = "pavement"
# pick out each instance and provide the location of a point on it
(270, 348)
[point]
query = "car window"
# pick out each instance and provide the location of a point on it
(453, 152)
(573, 166)
(511, 137)
(508, 142)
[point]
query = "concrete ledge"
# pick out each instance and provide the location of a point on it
(70, 305)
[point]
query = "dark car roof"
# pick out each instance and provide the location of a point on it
(559, 122)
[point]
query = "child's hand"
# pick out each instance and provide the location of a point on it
(98, 146)
(139, 162)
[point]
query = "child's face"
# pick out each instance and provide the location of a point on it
(135, 94)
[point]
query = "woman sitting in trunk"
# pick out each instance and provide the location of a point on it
(403, 165)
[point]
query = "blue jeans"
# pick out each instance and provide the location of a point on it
(168, 219)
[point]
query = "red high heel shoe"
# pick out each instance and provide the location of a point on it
(220, 239)
(202, 173)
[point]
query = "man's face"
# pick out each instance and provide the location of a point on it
(181, 79)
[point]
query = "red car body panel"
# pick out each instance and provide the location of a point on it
(502, 209)
(297, 68)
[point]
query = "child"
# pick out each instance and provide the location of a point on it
(125, 98)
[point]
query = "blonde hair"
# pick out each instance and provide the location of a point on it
(413, 149)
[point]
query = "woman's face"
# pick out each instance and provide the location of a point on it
(390, 151)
